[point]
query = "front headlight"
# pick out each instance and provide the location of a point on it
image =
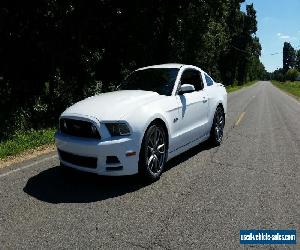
(117, 129)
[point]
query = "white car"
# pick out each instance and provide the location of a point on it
(159, 112)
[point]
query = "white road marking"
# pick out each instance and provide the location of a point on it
(27, 166)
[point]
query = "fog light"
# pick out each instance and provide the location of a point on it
(112, 160)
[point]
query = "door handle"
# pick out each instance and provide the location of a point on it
(204, 100)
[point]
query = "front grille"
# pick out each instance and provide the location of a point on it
(78, 128)
(82, 161)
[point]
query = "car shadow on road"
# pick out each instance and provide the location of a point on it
(59, 185)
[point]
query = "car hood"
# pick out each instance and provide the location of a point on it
(113, 105)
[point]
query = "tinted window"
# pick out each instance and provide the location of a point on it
(160, 80)
(208, 80)
(193, 77)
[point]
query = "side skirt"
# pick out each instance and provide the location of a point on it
(186, 147)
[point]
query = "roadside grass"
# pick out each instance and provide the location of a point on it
(290, 87)
(27, 140)
(234, 87)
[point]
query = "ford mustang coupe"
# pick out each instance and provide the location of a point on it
(158, 112)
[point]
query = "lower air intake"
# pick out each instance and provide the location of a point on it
(81, 161)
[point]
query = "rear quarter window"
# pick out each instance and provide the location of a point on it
(208, 80)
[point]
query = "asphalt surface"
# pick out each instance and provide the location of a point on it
(203, 199)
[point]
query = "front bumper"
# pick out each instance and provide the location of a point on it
(100, 149)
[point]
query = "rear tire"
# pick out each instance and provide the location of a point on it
(153, 153)
(216, 132)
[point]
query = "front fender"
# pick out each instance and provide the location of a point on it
(142, 118)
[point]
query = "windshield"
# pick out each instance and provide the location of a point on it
(160, 80)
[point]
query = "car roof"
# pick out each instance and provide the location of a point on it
(167, 65)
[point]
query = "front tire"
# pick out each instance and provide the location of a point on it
(216, 132)
(153, 154)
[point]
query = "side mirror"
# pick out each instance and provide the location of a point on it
(186, 88)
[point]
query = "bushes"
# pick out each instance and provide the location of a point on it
(281, 76)
(292, 74)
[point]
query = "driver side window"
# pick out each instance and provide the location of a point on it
(193, 77)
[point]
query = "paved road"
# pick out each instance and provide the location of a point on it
(202, 201)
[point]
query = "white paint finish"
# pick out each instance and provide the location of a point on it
(112, 105)
(193, 116)
(167, 65)
(188, 119)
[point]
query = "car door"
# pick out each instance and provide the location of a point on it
(193, 108)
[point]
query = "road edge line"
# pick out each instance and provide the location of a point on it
(27, 166)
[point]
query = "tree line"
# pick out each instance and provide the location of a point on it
(290, 70)
(56, 52)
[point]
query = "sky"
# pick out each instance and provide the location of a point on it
(278, 22)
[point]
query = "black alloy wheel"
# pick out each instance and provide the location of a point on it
(216, 133)
(153, 153)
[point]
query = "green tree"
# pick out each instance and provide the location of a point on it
(278, 75)
(288, 56)
(297, 65)
(54, 53)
